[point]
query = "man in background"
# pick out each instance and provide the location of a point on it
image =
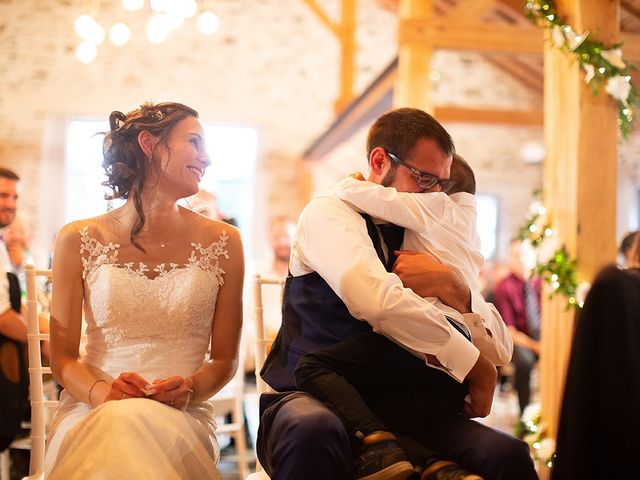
(517, 298)
(14, 403)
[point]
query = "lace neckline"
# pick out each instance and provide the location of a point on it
(95, 254)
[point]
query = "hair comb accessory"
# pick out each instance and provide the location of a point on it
(158, 115)
(115, 119)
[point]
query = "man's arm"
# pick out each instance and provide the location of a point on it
(416, 211)
(13, 326)
(332, 240)
(426, 276)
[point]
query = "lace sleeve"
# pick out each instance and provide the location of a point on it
(207, 258)
(94, 253)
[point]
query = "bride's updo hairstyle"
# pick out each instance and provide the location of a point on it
(125, 162)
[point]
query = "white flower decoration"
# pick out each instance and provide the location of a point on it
(531, 412)
(614, 57)
(548, 248)
(591, 72)
(575, 40)
(618, 87)
(557, 36)
(581, 292)
(547, 448)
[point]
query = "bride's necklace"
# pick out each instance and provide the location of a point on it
(148, 233)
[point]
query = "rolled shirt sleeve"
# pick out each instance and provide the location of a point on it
(332, 240)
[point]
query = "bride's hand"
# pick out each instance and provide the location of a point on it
(127, 385)
(176, 391)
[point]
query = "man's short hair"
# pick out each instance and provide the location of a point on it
(462, 174)
(9, 174)
(399, 130)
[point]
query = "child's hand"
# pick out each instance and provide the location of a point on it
(357, 176)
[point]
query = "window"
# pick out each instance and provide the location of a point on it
(487, 224)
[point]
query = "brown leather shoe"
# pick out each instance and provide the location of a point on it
(446, 470)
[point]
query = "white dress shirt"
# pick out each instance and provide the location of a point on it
(332, 240)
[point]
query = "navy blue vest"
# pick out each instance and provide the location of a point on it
(313, 316)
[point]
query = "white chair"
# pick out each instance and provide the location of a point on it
(39, 402)
(228, 401)
(262, 345)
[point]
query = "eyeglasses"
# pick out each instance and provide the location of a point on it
(425, 181)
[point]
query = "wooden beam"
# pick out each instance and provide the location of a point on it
(413, 87)
(489, 116)
(631, 47)
(347, 54)
(581, 137)
(321, 14)
(345, 33)
(470, 10)
(477, 38)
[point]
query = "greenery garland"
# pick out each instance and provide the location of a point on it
(603, 64)
(532, 430)
(559, 270)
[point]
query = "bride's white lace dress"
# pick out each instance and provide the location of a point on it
(153, 318)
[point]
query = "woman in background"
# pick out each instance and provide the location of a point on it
(602, 392)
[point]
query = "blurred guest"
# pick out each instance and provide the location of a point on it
(634, 254)
(625, 247)
(206, 203)
(280, 237)
(517, 298)
(16, 240)
(13, 329)
(599, 416)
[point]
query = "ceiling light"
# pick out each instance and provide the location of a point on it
(86, 52)
(119, 34)
(208, 22)
(132, 5)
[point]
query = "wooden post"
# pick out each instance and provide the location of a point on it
(580, 175)
(413, 85)
(347, 37)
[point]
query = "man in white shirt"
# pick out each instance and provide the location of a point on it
(339, 287)
(439, 223)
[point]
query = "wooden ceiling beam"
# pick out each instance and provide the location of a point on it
(477, 37)
(489, 116)
(631, 47)
(470, 9)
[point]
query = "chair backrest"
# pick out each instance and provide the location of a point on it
(39, 404)
(262, 342)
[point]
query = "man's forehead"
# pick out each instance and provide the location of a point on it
(9, 186)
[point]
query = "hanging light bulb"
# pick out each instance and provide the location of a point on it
(132, 5)
(160, 6)
(96, 35)
(119, 34)
(84, 25)
(86, 52)
(183, 8)
(208, 22)
(158, 28)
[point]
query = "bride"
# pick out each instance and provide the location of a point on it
(159, 285)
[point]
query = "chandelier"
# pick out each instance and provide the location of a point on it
(166, 16)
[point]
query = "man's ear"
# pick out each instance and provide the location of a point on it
(378, 161)
(147, 142)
